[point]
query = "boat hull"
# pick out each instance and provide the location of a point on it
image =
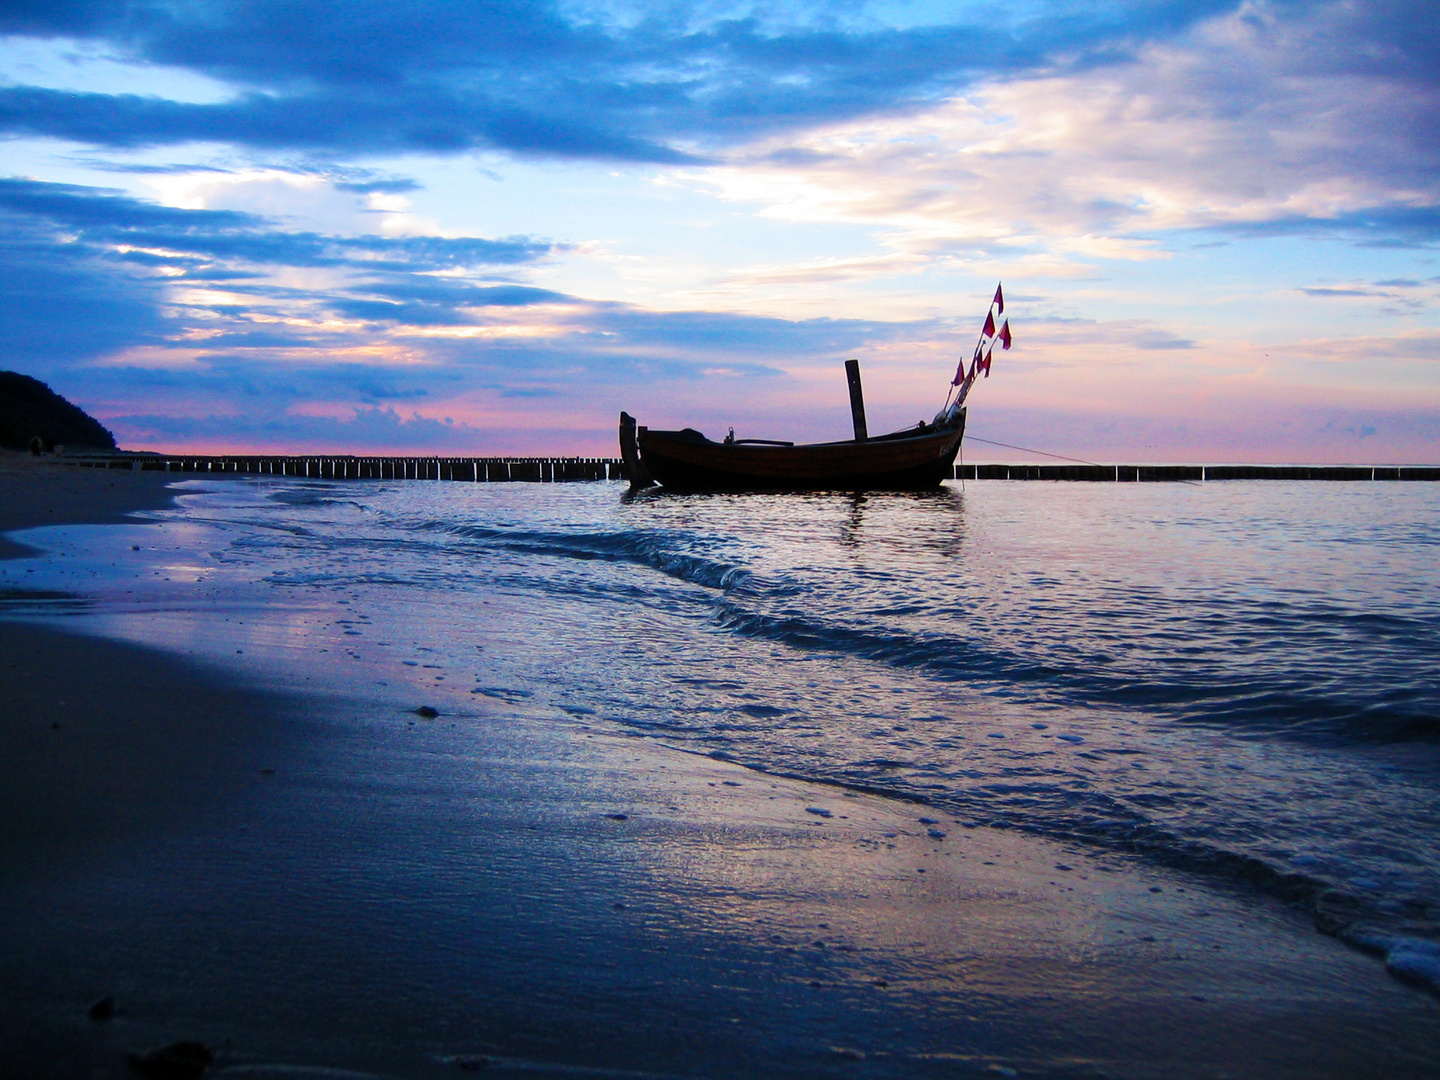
(903, 461)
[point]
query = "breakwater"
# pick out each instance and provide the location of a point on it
(557, 470)
(346, 467)
(1195, 473)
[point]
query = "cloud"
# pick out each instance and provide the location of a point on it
(642, 82)
(113, 220)
(1296, 120)
(378, 429)
(228, 324)
(90, 273)
(62, 305)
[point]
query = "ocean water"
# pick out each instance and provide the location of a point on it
(1238, 679)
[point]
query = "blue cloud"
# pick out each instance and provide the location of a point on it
(377, 428)
(73, 294)
(78, 273)
(1380, 226)
(108, 218)
(371, 76)
(60, 303)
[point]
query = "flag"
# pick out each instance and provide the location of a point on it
(959, 374)
(1005, 334)
(989, 324)
(984, 365)
(999, 301)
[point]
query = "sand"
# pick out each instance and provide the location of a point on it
(45, 491)
(327, 881)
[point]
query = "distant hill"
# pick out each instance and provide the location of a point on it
(30, 409)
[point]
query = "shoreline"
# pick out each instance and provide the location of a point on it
(45, 491)
(326, 880)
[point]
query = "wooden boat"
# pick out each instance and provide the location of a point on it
(685, 460)
(917, 457)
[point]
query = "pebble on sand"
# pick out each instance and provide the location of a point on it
(427, 712)
(818, 811)
(103, 1009)
(178, 1061)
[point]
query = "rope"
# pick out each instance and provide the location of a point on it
(1060, 457)
(1042, 453)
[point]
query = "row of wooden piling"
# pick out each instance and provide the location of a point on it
(1193, 473)
(557, 470)
(337, 467)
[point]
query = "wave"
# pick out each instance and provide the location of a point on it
(1269, 700)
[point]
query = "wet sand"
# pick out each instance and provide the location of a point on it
(328, 881)
(38, 491)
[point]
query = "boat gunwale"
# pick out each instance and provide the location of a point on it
(905, 459)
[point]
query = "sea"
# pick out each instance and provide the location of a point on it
(1239, 679)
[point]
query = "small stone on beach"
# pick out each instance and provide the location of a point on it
(471, 1063)
(427, 712)
(818, 811)
(103, 1009)
(618, 817)
(178, 1061)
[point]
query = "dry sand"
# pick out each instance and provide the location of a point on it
(331, 882)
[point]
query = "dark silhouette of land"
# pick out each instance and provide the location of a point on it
(30, 411)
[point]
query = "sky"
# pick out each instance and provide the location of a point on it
(364, 226)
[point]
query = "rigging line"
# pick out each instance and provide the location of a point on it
(1061, 457)
(1042, 453)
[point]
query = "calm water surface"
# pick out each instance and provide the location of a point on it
(1239, 678)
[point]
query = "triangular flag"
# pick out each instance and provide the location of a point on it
(999, 300)
(989, 324)
(959, 374)
(1005, 334)
(984, 365)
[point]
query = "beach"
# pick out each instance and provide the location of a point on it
(250, 840)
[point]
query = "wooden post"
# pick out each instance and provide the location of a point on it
(635, 470)
(857, 399)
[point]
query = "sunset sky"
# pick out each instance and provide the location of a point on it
(484, 228)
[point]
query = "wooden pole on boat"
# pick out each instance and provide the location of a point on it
(630, 452)
(857, 399)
